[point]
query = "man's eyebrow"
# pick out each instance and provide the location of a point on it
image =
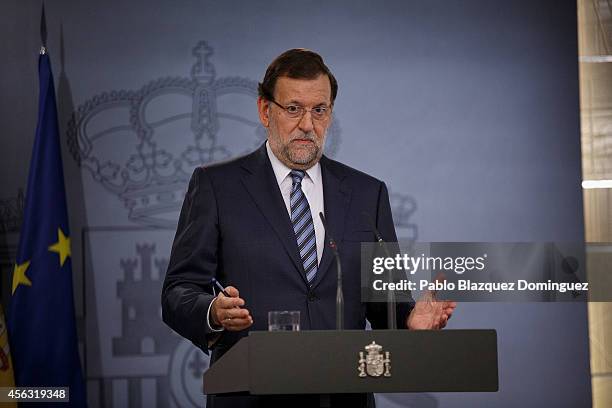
(295, 102)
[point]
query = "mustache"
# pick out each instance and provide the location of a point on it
(305, 136)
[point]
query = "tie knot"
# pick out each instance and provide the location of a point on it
(297, 175)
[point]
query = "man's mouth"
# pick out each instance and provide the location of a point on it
(303, 141)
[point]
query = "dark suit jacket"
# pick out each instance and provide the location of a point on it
(234, 226)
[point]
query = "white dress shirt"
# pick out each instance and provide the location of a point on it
(312, 186)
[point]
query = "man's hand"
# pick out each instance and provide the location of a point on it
(227, 312)
(430, 313)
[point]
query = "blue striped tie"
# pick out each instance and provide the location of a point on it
(301, 218)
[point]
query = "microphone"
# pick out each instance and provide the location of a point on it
(339, 293)
(391, 311)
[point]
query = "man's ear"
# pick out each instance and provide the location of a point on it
(263, 108)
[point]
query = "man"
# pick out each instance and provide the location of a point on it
(253, 224)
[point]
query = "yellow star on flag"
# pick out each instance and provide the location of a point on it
(19, 276)
(62, 246)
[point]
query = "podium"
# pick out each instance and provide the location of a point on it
(355, 361)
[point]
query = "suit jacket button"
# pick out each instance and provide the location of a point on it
(311, 296)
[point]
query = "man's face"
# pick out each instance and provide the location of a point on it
(297, 142)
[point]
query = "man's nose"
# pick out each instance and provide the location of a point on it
(306, 122)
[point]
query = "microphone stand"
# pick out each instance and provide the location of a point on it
(339, 292)
(391, 309)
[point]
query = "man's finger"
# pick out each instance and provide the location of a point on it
(221, 307)
(235, 313)
(440, 278)
(430, 296)
(237, 324)
(229, 303)
(232, 291)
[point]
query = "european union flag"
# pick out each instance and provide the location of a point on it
(41, 323)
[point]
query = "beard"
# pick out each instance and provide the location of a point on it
(301, 151)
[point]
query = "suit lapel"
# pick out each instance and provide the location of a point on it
(336, 198)
(260, 182)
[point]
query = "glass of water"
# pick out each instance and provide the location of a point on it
(284, 320)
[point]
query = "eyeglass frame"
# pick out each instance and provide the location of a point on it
(304, 110)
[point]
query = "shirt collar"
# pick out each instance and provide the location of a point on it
(281, 171)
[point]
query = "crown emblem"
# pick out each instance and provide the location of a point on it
(142, 145)
(374, 363)
(373, 348)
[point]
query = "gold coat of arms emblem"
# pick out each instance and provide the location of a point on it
(374, 362)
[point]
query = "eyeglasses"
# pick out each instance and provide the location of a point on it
(319, 113)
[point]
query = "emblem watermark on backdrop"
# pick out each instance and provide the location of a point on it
(11, 218)
(187, 366)
(143, 145)
(133, 358)
(403, 207)
(11, 213)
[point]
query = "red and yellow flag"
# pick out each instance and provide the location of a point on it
(6, 366)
